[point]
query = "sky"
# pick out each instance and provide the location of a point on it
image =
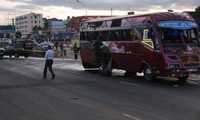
(61, 9)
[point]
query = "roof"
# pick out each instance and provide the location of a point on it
(158, 16)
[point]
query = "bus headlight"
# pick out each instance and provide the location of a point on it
(173, 66)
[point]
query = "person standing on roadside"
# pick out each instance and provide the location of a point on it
(76, 50)
(61, 49)
(49, 56)
(65, 49)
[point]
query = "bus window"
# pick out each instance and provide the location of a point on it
(147, 38)
(134, 35)
(145, 34)
(82, 36)
(126, 35)
(103, 36)
(95, 35)
(113, 35)
(88, 35)
(116, 23)
(171, 36)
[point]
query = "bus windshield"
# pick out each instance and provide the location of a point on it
(179, 37)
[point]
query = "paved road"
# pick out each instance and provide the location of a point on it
(77, 94)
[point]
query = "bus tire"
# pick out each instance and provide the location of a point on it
(148, 74)
(87, 65)
(184, 78)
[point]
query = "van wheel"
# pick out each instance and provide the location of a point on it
(26, 56)
(16, 55)
(148, 74)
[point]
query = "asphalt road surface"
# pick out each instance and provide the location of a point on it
(79, 94)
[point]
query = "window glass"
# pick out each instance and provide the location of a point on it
(95, 35)
(103, 36)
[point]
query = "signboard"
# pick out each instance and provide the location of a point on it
(177, 24)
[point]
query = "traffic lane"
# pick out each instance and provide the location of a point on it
(159, 100)
(123, 97)
(25, 97)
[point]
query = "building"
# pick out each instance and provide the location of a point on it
(26, 23)
(57, 29)
(6, 31)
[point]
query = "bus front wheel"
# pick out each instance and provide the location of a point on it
(184, 78)
(148, 74)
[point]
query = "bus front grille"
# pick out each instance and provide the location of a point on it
(189, 58)
(192, 65)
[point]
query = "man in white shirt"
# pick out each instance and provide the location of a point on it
(49, 55)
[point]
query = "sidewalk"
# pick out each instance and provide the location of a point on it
(194, 77)
(68, 56)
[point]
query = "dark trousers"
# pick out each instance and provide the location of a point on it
(48, 64)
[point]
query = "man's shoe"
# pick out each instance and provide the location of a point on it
(53, 76)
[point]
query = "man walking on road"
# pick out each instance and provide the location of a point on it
(49, 55)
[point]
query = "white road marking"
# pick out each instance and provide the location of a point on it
(131, 117)
(132, 84)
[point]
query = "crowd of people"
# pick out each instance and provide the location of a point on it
(64, 49)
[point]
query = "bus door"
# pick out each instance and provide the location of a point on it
(150, 49)
(133, 53)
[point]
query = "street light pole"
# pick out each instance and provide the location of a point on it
(83, 5)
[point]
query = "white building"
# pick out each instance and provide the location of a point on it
(25, 23)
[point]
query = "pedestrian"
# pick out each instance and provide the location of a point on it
(61, 49)
(56, 45)
(65, 49)
(76, 49)
(49, 56)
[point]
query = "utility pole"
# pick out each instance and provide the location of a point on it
(111, 11)
(83, 5)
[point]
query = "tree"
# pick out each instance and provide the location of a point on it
(36, 29)
(197, 9)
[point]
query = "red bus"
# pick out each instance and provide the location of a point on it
(157, 44)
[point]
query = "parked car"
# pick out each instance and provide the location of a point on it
(19, 48)
(44, 46)
(2, 52)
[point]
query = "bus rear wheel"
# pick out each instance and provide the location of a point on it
(148, 74)
(103, 68)
(87, 65)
